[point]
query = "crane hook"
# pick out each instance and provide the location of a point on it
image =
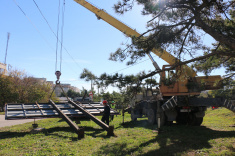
(58, 73)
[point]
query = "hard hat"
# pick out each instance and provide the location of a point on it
(105, 102)
(113, 102)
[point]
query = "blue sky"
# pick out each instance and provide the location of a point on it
(89, 42)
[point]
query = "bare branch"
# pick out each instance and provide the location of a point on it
(157, 15)
(181, 49)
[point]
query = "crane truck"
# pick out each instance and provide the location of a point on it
(175, 99)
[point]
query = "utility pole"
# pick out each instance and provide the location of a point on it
(8, 37)
(91, 93)
(91, 84)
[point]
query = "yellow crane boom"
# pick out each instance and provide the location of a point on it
(101, 14)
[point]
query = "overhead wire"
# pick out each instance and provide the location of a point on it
(62, 37)
(129, 66)
(44, 17)
(62, 43)
(35, 27)
(62, 46)
(56, 35)
(132, 65)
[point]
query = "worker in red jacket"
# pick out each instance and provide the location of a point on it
(106, 113)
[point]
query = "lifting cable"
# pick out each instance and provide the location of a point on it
(62, 34)
(58, 72)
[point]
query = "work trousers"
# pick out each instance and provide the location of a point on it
(105, 119)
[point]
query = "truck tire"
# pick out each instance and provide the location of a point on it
(145, 111)
(199, 121)
(181, 119)
(151, 116)
(194, 121)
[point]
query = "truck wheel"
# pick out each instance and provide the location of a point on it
(195, 121)
(199, 121)
(181, 119)
(151, 116)
(145, 111)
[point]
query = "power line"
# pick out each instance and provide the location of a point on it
(66, 49)
(71, 68)
(44, 17)
(55, 34)
(33, 24)
(131, 66)
(35, 27)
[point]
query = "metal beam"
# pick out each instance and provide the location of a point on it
(108, 128)
(39, 108)
(79, 131)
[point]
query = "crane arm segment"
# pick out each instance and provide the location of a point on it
(101, 14)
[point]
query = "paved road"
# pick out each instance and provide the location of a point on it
(4, 123)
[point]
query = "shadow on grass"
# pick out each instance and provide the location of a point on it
(175, 139)
(8, 134)
(54, 131)
(90, 131)
(139, 123)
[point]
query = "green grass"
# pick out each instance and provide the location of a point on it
(2, 113)
(216, 136)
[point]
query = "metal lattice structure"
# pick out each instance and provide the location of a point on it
(46, 110)
(14, 111)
